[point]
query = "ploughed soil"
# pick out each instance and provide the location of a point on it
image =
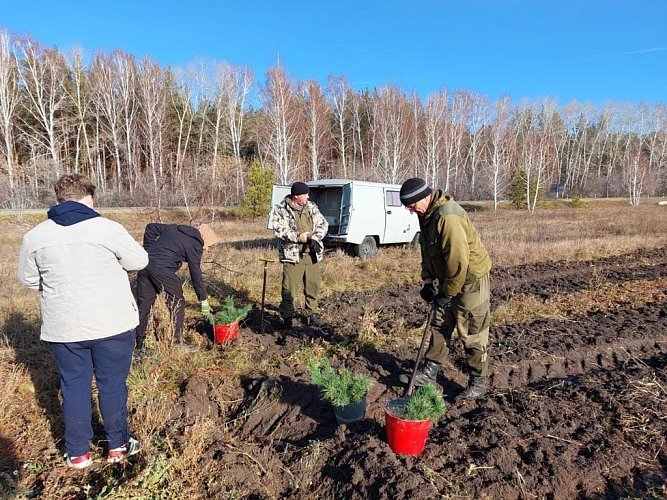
(577, 408)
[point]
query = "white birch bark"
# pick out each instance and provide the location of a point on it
(9, 101)
(43, 74)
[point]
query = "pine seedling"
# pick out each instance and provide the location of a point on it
(425, 403)
(340, 387)
(229, 312)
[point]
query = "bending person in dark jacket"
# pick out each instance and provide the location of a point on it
(168, 246)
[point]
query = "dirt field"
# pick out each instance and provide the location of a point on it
(577, 406)
(576, 409)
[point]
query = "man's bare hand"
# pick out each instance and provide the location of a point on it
(303, 237)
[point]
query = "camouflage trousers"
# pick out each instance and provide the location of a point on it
(469, 313)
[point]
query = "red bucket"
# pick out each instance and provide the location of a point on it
(407, 437)
(225, 333)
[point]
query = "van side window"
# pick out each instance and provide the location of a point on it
(393, 198)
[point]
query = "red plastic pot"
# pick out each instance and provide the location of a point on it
(225, 333)
(406, 437)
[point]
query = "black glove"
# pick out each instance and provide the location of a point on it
(315, 246)
(427, 292)
(442, 300)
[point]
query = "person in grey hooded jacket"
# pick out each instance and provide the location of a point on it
(79, 261)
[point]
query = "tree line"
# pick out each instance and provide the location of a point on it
(148, 134)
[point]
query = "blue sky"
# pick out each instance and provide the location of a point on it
(595, 50)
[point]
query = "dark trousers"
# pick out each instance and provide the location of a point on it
(109, 360)
(149, 284)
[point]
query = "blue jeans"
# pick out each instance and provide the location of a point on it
(109, 359)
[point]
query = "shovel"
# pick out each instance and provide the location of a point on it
(422, 348)
(266, 262)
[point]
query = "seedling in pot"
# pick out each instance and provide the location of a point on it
(407, 420)
(340, 388)
(229, 313)
(425, 403)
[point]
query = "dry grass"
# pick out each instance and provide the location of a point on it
(30, 421)
(514, 238)
(525, 309)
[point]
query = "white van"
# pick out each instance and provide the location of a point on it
(361, 215)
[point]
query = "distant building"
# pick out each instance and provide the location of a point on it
(557, 190)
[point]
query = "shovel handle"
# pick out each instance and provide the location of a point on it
(422, 348)
(261, 319)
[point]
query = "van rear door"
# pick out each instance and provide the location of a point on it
(346, 209)
(277, 195)
(328, 200)
(334, 201)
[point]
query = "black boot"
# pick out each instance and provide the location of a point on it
(287, 324)
(427, 375)
(475, 390)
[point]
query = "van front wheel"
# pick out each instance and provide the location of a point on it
(367, 248)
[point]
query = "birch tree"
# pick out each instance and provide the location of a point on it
(126, 71)
(182, 107)
(152, 98)
(455, 139)
(80, 94)
(435, 130)
(477, 113)
(318, 119)
(500, 150)
(339, 94)
(281, 137)
(360, 119)
(392, 124)
(43, 73)
(635, 171)
(234, 84)
(105, 84)
(9, 100)
(656, 145)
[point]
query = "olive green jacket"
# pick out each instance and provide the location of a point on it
(452, 251)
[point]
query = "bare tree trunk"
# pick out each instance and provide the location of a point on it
(152, 96)
(318, 118)
(234, 84)
(43, 74)
(281, 139)
(339, 92)
(9, 100)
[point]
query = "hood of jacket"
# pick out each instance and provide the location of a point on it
(287, 203)
(438, 199)
(192, 232)
(70, 212)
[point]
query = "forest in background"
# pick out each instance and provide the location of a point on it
(150, 135)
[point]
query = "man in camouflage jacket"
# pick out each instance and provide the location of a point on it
(300, 227)
(453, 255)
